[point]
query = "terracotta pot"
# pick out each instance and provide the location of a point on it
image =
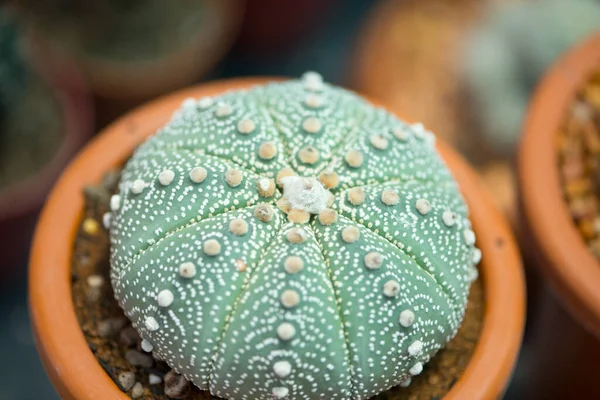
(21, 202)
(62, 346)
(136, 81)
(554, 242)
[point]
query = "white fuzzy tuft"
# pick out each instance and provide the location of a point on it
(306, 194)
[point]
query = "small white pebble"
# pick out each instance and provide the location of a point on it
(379, 142)
(205, 102)
(137, 391)
(373, 260)
(282, 368)
(280, 392)
(126, 379)
(146, 346)
(415, 348)
(416, 369)
(106, 220)
(311, 125)
(95, 281)
(151, 324)
(391, 288)
(293, 264)
(476, 256)
(286, 331)
(198, 174)
(187, 270)
(165, 298)
(423, 206)
(223, 110)
(115, 202)
(154, 379)
(166, 177)
(313, 101)
(449, 218)
(290, 298)
(138, 186)
(469, 237)
(211, 247)
(246, 126)
(407, 318)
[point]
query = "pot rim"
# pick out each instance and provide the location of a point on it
(568, 264)
(59, 336)
(70, 92)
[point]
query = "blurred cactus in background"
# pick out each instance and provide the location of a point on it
(124, 30)
(30, 120)
(508, 53)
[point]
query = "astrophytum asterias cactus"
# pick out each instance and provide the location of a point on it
(291, 241)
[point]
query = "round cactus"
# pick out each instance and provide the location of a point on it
(291, 241)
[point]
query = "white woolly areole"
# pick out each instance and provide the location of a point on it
(305, 194)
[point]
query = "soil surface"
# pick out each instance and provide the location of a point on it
(116, 345)
(579, 158)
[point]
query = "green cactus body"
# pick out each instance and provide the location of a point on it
(291, 241)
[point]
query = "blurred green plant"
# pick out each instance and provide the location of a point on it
(117, 29)
(510, 51)
(30, 118)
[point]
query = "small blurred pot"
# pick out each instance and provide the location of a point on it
(136, 80)
(20, 202)
(565, 335)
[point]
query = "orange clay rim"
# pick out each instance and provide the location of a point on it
(77, 374)
(569, 264)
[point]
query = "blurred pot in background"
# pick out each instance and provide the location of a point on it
(271, 26)
(135, 49)
(510, 51)
(559, 164)
(45, 117)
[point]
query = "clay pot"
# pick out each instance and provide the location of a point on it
(554, 243)
(133, 81)
(77, 374)
(21, 202)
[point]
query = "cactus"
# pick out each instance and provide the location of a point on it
(291, 241)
